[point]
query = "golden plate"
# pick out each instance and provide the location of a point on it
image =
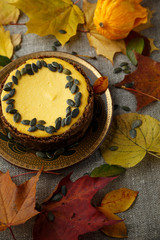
(16, 154)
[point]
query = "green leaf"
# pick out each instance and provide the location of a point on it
(107, 170)
(135, 45)
(4, 60)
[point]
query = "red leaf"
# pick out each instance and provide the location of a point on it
(100, 85)
(145, 81)
(74, 214)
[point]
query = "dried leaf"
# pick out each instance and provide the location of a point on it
(17, 203)
(106, 170)
(16, 39)
(74, 211)
(6, 47)
(59, 17)
(100, 85)
(130, 151)
(9, 13)
(146, 81)
(119, 200)
(153, 47)
(117, 230)
(103, 46)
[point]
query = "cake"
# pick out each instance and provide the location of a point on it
(47, 103)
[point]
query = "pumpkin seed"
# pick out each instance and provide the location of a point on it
(137, 123)
(117, 70)
(34, 67)
(70, 102)
(75, 113)
(12, 111)
(78, 96)
(63, 190)
(74, 53)
(16, 117)
(32, 129)
(10, 101)
(49, 155)
(7, 89)
(33, 122)
(50, 129)
(68, 111)
(125, 108)
(40, 127)
(44, 64)
(57, 43)
(51, 68)
(41, 122)
(67, 85)
(18, 74)
(6, 97)
(41, 154)
(39, 64)
(69, 78)
(55, 64)
(14, 80)
(9, 107)
(28, 66)
(12, 92)
(25, 122)
(126, 68)
(70, 85)
(23, 71)
(62, 31)
(9, 136)
(132, 133)
(60, 68)
(63, 122)
(66, 71)
(127, 71)
(113, 148)
(74, 89)
(124, 64)
(59, 151)
(56, 198)
(68, 120)
(76, 81)
(77, 102)
(29, 71)
(9, 84)
(50, 217)
(58, 123)
(54, 48)
(129, 85)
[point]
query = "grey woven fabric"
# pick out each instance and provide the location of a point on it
(143, 218)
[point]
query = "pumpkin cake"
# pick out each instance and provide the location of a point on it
(47, 103)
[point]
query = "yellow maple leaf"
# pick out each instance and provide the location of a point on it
(8, 12)
(49, 17)
(103, 46)
(6, 47)
(127, 145)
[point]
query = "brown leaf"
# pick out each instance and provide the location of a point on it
(100, 85)
(145, 81)
(17, 203)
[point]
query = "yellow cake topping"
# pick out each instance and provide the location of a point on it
(43, 96)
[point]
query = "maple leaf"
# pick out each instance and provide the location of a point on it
(9, 13)
(74, 215)
(17, 203)
(103, 46)
(145, 81)
(49, 17)
(131, 136)
(100, 85)
(114, 202)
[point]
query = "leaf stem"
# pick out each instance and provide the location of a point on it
(137, 91)
(12, 233)
(153, 154)
(22, 174)
(77, 1)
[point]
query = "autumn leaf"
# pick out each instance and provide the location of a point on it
(131, 136)
(6, 47)
(114, 202)
(107, 170)
(145, 81)
(17, 203)
(72, 214)
(100, 85)
(9, 13)
(59, 17)
(16, 39)
(103, 46)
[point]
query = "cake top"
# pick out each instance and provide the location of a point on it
(45, 97)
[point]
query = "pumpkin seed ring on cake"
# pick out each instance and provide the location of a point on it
(47, 103)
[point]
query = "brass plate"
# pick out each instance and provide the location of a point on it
(19, 156)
